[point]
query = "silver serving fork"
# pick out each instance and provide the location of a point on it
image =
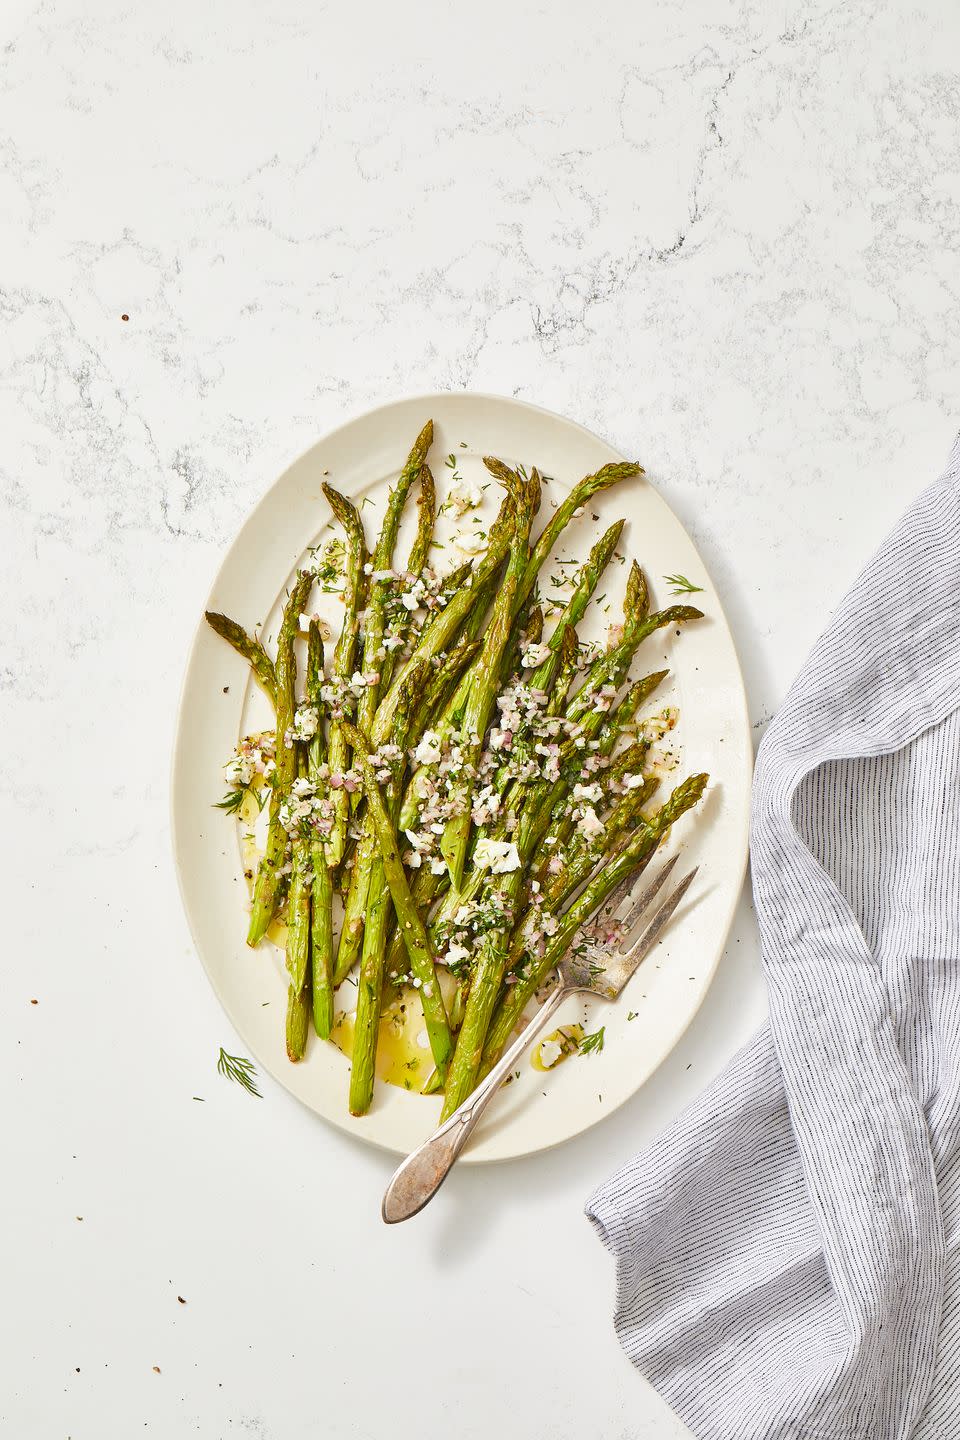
(420, 1176)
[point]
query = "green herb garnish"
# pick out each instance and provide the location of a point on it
(237, 1067)
(593, 1044)
(232, 801)
(680, 585)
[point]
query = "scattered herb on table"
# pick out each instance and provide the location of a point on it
(240, 1069)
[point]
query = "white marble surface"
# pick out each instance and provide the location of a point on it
(722, 234)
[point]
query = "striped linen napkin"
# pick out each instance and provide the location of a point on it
(788, 1252)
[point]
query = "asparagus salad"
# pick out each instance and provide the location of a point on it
(455, 780)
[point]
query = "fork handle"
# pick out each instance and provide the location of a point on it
(420, 1176)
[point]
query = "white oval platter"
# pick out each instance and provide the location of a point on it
(219, 703)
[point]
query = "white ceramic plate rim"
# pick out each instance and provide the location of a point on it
(513, 1126)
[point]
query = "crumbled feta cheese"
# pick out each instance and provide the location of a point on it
(500, 857)
(429, 750)
(486, 806)
(438, 866)
(306, 721)
(413, 598)
(465, 495)
(470, 543)
(549, 1053)
(238, 771)
(590, 825)
(306, 812)
(534, 655)
(456, 954)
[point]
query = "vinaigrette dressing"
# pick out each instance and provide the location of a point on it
(403, 1058)
(560, 1045)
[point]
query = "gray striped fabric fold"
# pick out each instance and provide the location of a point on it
(788, 1252)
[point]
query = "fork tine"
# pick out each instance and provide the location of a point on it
(641, 948)
(615, 899)
(623, 891)
(642, 902)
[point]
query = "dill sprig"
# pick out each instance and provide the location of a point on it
(239, 1068)
(232, 801)
(680, 585)
(593, 1044)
